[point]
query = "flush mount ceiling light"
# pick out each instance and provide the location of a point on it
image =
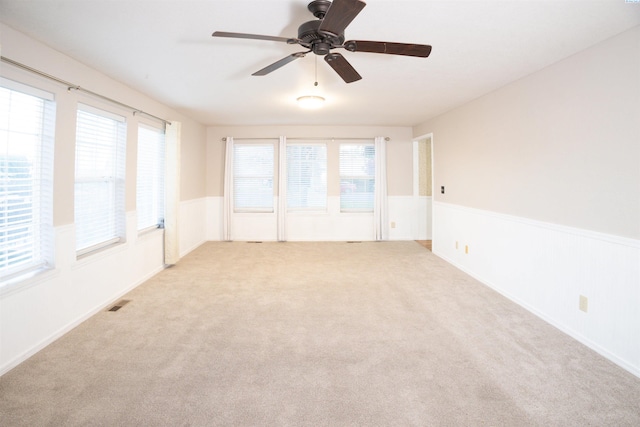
(310, 101)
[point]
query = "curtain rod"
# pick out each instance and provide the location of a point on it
(319, 138)
(71, 86)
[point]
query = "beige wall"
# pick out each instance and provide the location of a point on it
(21, 48)
(561, 145)
(424, 168)
(193, 162)
(399, 150)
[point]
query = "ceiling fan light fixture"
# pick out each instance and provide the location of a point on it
(310, 101)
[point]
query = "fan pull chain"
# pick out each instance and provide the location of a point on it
(316, 82)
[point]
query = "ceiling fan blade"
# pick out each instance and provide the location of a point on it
(281, 63)
(419, 50)
(342, 67)
(340, 15)
(254, 37)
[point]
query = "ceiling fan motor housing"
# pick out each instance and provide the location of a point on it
(319, 42)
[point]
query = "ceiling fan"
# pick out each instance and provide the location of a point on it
(326, 33)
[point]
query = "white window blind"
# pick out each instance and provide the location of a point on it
(253, 177)
(150, 178)
(357, 177)
(306, 177)
(27, 117)
(99, 179)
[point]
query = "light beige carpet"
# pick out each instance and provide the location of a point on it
(317, 334)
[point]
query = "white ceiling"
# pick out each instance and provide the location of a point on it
(164, 48)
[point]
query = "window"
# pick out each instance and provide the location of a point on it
(99, 182)
(253, 178)
(26, 191)
(150, 181)
(306, 177)
(357, 177)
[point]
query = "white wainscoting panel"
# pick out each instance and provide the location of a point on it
(331, 225)
(409, 213)
(214, 223)
(192, 224)
(254, 227)
(546, 268)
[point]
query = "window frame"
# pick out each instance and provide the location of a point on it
(40, 239)
(118, 157)
(257, 176)
(310, 209)
(158, 178)
(348, 178)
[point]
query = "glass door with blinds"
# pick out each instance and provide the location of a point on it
(254, 181)
(306, 174)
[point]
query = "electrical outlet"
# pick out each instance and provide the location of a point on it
(393, 224)
(456, 245)
(584, 303)
(466, 249)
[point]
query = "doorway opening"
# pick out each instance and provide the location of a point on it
(423, 187)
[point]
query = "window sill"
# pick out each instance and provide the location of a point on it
(150, 231)
(27, 280)
(99, 253)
